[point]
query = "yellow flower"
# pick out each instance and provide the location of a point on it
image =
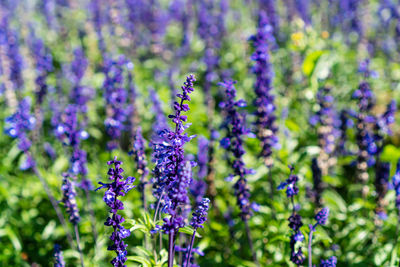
(297, 36)
(325, 34)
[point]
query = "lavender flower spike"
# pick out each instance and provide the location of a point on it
(58, 256)
(172, 173)
(295, 220)
(235, 125)
(141, 163)
(117, 188)
(198, 219)
(331, 262)
(321, 218)
(69, 200)
(264, 101)
(233, 142)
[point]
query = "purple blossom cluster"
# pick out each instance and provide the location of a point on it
(71, 134)
(330, 262)
(211, 29)
(295, 220)
(18, 125)
(263, 40)
(382, 172)
(364, 136)
(290, 184)
(235, 125)
(43, 66)
(10, 40)
(141, 163)
(69, 199)
(200, 214)
(172, 175)
(80, 94)
(328, 123)
(117, 188)
(321, 218)
(116, 98)
(58, 256)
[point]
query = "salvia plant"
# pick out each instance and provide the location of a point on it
(83, 82)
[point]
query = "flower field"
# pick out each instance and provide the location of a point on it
(199, 133)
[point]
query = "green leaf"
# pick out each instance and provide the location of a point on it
(129, 223)
(142, 260)
(143, 251)
(189, 231)
(310, 62)
(335, 200)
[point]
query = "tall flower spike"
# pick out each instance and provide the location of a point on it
(381, 185)
(18, 125)
(58, 256)
(80, 94)
(172, 175)
(69, 199)
(235, 125)
(264, 101)
(366, 145)
(117, 188)
(116, 99)
(44, 65)
(199, 217)
(141, 163)
(327, 123)
(295, 220)
(320, 218)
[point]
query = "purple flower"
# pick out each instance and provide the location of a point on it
(200, 214)
(295, 220)
(235, 125)
(365, 138)
(303, 8)
(264, 101)
(321, 218)
(327, 123)
(80, 94)
(18, 125)
(172, 175)
(117, 188)
(43, 65)
(58, 256)
(116, 99)
(331, 262)
(11, 41)
(98, 20)
(290, 184)
(69, 199)
(381, 185)
(141, 163)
